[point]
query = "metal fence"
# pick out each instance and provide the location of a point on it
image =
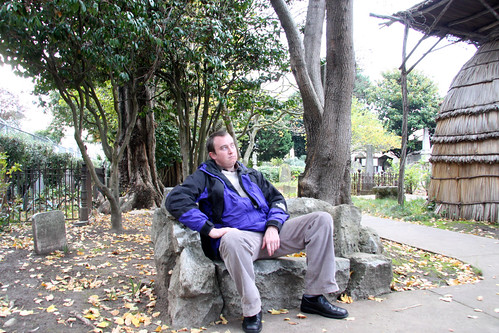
(363, 183)
(33, 191)
(69, 190)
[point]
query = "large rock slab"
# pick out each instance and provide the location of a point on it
(49, 232)
(350, 236)
(194, 290)
(194, 298)
(371, 275)
(185, 276)
(281, 283)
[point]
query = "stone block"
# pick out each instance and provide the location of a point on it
(284, 173)
(281, 283)
(193, 286)
(186, 279)
(49, 232)
(382, 192)
(350, 236)
(371, 275)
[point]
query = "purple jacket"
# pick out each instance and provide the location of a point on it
(208, 200)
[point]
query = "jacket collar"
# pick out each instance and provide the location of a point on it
(211, 166)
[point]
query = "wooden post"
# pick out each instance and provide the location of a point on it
(84, 196)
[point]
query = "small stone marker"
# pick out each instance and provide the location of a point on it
(49, 232)
(284, 173)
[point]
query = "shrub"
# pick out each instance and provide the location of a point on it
(270, 172)
(34, 155)
(5, 174)
(416, 176)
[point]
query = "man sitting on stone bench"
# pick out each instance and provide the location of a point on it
(242, 217)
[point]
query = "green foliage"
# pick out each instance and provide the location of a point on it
(218, 56)
(33, 155)
(63, 115)
(5, 175)
(270, 172)
(295, 162)
(423, 99)
(413, 210)
(362, 86)
(167, 146)
(367, 129)
(273, 144)
(416, 175)
(55, 134)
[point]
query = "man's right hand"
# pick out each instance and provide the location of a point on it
(219, 232)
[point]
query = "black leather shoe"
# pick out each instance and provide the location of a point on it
(320, 305)
(253, 324)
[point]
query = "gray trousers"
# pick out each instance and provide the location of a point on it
(312, 232)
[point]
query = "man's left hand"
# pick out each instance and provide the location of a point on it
(271, 240)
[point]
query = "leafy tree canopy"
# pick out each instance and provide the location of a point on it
(367, 129)
(423, 98)
(273, 143)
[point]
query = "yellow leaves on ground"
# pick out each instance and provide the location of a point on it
(416, 269)
(26, 312)
(118, 268)
(278, 312)
(136, 319)
(92, 313)
(51, 308)
(94, 300)
(344, 298)
(222, 320)
(376, 299)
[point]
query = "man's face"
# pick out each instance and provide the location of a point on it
(225, 154)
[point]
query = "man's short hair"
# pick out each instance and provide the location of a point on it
(210, 146)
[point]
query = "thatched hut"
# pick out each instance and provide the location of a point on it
(465, 156)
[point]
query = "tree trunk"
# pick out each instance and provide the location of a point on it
(138, 176)
(251, 144)
(114, 201)
(405, 114)
(312, 44)
(328, 128)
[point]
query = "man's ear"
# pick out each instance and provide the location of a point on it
(211, 155)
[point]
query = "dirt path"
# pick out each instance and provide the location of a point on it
(102, 283)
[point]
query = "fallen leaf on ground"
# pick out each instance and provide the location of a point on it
(278, 312)
(51, 308)
(344, 298)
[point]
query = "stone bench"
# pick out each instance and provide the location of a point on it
(382, 192)
(187, 279)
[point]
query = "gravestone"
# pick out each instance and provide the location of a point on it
(49, 232)
(284, 173)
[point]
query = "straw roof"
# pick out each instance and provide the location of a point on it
(465, 156)
(475, 21)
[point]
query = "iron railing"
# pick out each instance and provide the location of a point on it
(33, 191)
(363, 183)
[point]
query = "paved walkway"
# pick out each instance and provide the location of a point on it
(473, 307)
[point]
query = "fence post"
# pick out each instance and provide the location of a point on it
(84, 196)
(359, 182)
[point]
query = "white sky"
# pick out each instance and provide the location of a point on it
(376, 49)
